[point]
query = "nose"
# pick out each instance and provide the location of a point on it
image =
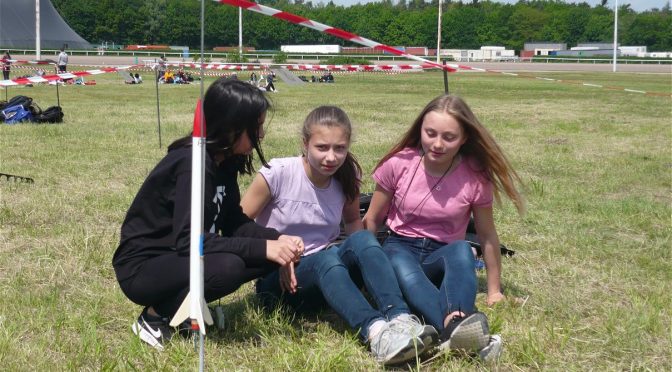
(331, 156)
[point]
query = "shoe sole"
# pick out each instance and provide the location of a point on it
(472, 334)
(492, 352)
(146, 337)
(407, 352)
(429, 335)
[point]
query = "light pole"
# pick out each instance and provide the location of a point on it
(438, 37)
(38, 52)
(240, 31)
(615, 32)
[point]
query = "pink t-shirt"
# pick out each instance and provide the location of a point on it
(444, 213)
(299, 208)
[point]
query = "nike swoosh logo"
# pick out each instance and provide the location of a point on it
(156, 333)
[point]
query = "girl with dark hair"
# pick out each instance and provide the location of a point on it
(152, 260)
(308, 196)
(445, 169)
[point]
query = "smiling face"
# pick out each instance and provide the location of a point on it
(326, 150)
(441, 137)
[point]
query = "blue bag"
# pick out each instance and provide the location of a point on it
(16, 114)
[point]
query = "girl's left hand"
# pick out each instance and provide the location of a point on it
(494, 298)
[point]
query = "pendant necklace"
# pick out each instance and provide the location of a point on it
(436, 185)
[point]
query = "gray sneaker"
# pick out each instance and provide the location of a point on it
(411, 325)
(492, 352)
(467, 333)
(390, 346)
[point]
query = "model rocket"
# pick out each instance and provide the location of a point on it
(194, 306)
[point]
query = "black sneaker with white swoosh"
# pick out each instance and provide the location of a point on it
(153, 330)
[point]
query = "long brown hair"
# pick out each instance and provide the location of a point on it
(348, 174)
(480, 146)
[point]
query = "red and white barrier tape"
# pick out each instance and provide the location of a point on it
(57, 77)
(358, 68)
(19, 62)
(333, 31)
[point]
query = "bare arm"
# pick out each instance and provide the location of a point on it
(351, 217)
(256, 197)
(287, 248)
(487, 236)
(380, 204)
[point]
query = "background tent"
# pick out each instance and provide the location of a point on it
(17, 27)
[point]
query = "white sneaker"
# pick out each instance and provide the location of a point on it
(390, 346)
(411, 325)
(492, 352)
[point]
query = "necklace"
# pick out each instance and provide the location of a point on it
(436, 184)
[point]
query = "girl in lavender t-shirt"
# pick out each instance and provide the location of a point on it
(309, 196)
(445, 169)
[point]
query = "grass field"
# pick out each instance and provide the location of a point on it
(592, 271)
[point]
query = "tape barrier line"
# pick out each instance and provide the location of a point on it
(57, 77)
(333, 31)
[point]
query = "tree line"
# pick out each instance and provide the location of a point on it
(465, 25)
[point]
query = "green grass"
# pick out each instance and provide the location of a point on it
(592, 269)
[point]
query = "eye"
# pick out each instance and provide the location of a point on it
(430, 133)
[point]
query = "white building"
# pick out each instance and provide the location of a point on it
(486, 53)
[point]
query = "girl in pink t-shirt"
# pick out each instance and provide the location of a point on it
(445, 169)
(309, 196)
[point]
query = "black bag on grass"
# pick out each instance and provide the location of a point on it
(53, 114)
(19, 100)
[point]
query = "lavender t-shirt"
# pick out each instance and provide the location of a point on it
(299, 208)
(441, 214)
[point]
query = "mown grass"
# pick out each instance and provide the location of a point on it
(592, 270)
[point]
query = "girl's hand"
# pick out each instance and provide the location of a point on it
(494, 298)
(288, 279)
(297, 241)
(282, 252)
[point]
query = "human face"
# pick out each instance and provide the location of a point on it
(441, 137)
(243, 145)
(325, 150)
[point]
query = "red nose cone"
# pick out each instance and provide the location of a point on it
(199, 121)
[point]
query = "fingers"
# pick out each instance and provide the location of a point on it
(287, 279)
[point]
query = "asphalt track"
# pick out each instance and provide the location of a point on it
(495, 66)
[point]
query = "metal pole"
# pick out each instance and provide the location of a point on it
(38, 52)
(615, 33)
(240, 31)
(445, 79)
(158, 110)
(58, 96)
(438, 32)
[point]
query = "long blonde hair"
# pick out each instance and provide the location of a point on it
(480, 146)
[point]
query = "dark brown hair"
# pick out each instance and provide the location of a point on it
(348, 174)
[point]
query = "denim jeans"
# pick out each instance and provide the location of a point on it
(435, 278)
(330, 272)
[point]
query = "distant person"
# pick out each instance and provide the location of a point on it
(269, 83)
(161, 67)
(6, 65)
(152, 260)
(253, 78)
(446, 168)
(137, 78)
(62, 61)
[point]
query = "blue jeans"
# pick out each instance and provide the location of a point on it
(435, 278)
(330, 272)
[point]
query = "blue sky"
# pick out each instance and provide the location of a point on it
(637, 5)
